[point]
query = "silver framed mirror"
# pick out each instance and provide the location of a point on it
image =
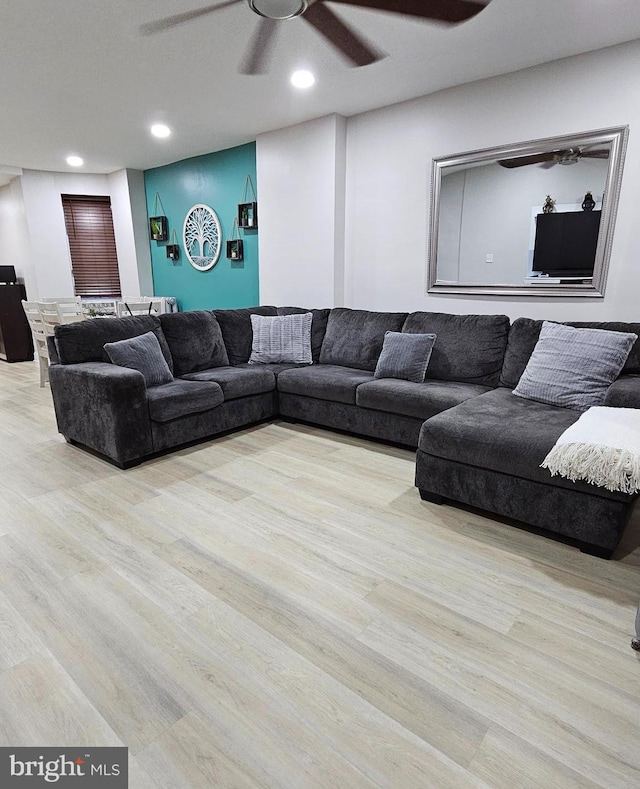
(530, 219)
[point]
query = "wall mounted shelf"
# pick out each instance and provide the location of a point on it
(248, 216)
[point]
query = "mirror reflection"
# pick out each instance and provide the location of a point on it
(530, 218)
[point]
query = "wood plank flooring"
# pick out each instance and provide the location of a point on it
(277, 608)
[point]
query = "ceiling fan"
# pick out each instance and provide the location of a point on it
(350, 44)
(551, 158)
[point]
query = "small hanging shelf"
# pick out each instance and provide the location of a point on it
(158, 226)
(248, 211)
(235, 245)
(173, 249)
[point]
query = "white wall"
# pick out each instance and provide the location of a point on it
(137, 203)
(37, 240)
(389, 154)
(126, 188)
(301, 187)
(15, 244)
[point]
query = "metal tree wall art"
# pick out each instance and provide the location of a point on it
(202, 237)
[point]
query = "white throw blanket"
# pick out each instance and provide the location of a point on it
(602, 447)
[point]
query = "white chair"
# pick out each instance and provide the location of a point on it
(53, 313)
(139, 306)
(77, 300)
(39, 334)
(70, 310)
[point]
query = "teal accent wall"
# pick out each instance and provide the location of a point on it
(217, 180)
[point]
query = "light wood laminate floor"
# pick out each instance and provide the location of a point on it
(277, 608)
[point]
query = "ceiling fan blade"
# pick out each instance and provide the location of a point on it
(451, 11)
(522, 161)
(601, 153)
(349, 44)
(257, 56)
(178, 19)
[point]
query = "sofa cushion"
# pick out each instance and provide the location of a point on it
(354, 337)
(237, 381)
(405, 356)
(143, 354)
(181, 398)
(523, 336)
(421, 400)
(318, 326)
(573, 368)
(468, 347)
(324, 381)
(624, 393)
(276, 369)
(503, 433)
(281, 338)
(236, 331)
(84, 341)
(195, 341)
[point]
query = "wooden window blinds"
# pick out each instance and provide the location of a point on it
(92, 245)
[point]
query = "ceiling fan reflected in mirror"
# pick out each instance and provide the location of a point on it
(353, 46)
(550, 158)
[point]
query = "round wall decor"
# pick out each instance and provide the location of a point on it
(202, 237)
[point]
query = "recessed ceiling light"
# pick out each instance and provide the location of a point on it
(75, 161)
(160, 130)
(302, 79)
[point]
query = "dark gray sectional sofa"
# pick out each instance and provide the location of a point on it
(477, 443)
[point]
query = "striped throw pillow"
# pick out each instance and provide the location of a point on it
(573, 368)
(281, 339)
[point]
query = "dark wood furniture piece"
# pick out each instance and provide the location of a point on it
(566, 244)
(16, 343)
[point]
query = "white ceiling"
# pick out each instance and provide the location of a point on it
(77, 77)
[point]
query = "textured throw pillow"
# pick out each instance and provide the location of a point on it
(573, 368)
(142, 353)
(281, 338)
(405, 356)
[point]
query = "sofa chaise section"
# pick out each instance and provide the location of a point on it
(487, 453)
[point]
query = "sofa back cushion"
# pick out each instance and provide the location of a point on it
(195, 341)
(354, 337)
(524, 334)
(318, 327)
(468, 348)
(84, 341)
(237, 332)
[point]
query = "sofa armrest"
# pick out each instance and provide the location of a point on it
(104, 407)
(624, 393)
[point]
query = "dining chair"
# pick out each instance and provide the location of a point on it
(39, 334)
(139, 306)
(70, 310)
(54, 313)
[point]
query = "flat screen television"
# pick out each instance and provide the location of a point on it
(8, 275)
(566, 243)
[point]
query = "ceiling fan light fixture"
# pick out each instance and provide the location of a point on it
(278, 9)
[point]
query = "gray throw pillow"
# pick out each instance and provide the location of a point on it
(573, 368)
(405, 356)
(142, 353)
(281, 338)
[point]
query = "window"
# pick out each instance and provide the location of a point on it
(92, 244)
